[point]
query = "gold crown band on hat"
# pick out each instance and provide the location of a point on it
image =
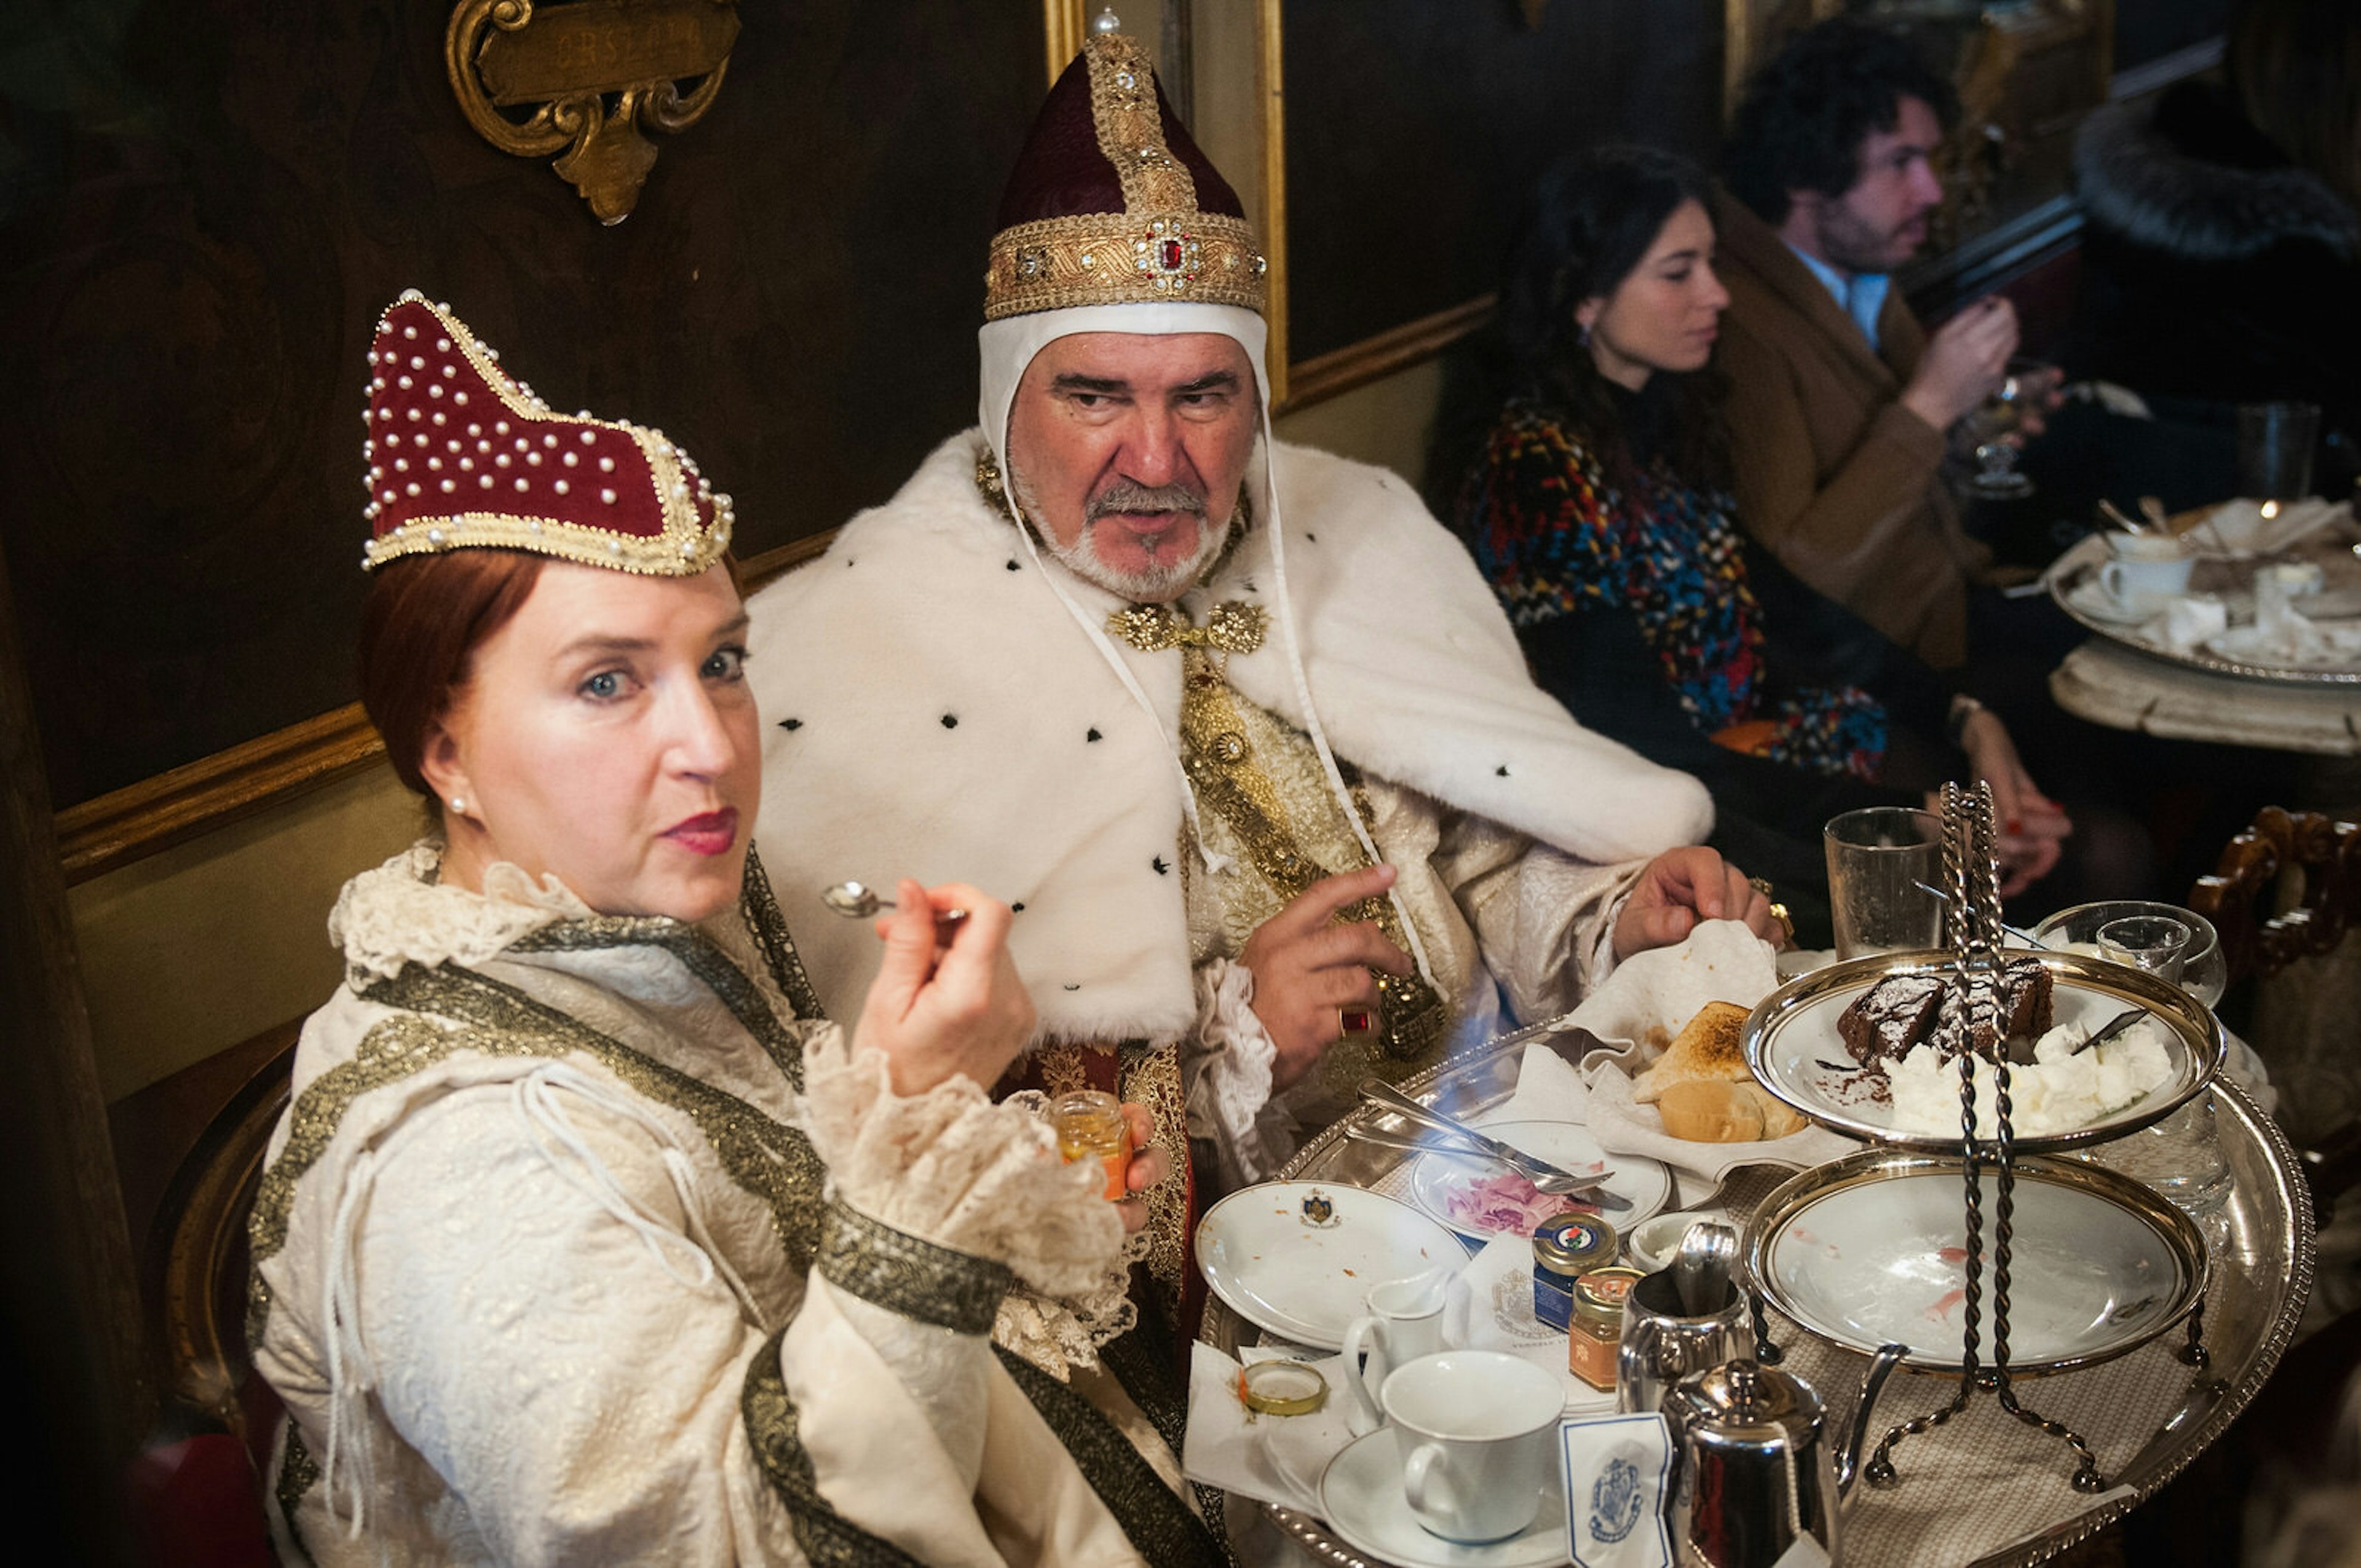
(1160, 247)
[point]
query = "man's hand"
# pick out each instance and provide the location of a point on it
(1306, 967)
(937, 1011)
(1149, 1164)
(1965, 362)
(2033, 828)
(1680, 888)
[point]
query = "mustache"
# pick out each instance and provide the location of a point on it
(1124, 496)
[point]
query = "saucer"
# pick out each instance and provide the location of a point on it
(1361, 1494)
(2092, 597)
(1297, 1258)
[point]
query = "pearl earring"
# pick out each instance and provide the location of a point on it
(458, 806)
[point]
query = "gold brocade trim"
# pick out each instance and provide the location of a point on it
(909, 1275)
(769, 1160)
(1123, 258)
(686, 548)
(768, 925)
(1157, 1524)
(1411, 1019)
(1130, 127)
(298, 1474)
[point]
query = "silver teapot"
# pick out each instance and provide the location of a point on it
(1755, 1473)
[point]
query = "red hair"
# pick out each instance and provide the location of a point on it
(423, 619)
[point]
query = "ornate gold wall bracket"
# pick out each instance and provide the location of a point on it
(595, 74)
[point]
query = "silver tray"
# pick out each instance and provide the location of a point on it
(2078, 563)
(2102, 1265)
(1783, 1058)
(2260, 1288)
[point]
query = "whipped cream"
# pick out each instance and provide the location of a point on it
(2060, 1092)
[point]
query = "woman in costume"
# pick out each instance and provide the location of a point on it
(584, 1240)
(1599, 510)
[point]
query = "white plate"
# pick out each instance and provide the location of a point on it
(1361, 1493)
(1870, 1251)
(1644, 1183)
(1296, 1258)
(1793, 1044)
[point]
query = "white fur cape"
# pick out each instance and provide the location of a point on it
(931, 710)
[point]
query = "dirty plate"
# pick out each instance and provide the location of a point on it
(1297, 1258)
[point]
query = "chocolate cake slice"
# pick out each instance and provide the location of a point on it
(1902, 1011)
(1890, 1017)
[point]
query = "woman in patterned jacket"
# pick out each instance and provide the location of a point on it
(1599, 509)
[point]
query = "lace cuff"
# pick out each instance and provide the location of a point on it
(1229, 1091)
(951, 1167)
(907, 1276)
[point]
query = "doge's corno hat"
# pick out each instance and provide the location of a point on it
(460, 454)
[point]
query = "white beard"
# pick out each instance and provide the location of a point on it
(1153, 586)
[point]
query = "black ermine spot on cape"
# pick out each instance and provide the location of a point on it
(1014, 568)
(791, 724)
(1503, 769)
(950, 721)
(1017, 908)
(1308, 539)
(1162, 868)
(1073, 985)
(1090, 736)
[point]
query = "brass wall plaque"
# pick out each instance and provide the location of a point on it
(596, 75)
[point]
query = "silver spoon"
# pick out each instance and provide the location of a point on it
(858, 901)
(1701, 1267)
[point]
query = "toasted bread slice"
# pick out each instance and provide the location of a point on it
(1708, 1048)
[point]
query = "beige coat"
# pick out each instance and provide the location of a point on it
(1839, 480)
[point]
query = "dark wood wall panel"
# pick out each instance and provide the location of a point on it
(1415, 129)
(204, 202)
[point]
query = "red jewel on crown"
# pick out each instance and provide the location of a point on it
(1168, 255)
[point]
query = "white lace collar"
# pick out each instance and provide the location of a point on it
(398, 914)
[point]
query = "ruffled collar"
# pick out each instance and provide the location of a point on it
(401, 914)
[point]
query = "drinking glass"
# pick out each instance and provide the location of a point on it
(2181, 1155)
(1883, 862)
(2000, 416)
(2275, 442)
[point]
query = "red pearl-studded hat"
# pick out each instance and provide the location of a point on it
(463, 455)
(1113, 203)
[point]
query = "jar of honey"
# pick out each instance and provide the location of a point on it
(1090, 1126)
(1596, 1326)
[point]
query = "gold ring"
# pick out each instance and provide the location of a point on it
(1355, 1020)
(1778, 910)
(1283, 1388)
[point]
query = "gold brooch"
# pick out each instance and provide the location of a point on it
(1232, 628)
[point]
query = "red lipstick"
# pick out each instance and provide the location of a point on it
(710, 834)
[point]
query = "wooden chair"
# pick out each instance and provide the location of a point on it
(2286, 888)
(192, 1484)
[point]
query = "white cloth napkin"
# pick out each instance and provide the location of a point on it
(1273, 1459)
(1617, 1468)
(1623, 1126)
(1492, 1308)
(1650, 995)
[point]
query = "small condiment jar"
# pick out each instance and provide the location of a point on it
(1090, 1126)
(1565, 1247)
(1596, 1326)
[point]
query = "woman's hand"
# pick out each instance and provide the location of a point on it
(2033, 828)
(937, 1011)
(1149, 1164)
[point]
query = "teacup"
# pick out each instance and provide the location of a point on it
(2146, 570)
(1404, 1323)
(1478, 1432)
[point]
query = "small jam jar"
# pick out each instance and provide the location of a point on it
(1565, 1247)
(1596, 1327)
(1090, 1126)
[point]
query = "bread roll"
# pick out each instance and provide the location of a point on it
(1715, 1111)
(1710, 1047)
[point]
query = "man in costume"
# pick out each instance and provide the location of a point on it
(1246, 744)
(1838, 400)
